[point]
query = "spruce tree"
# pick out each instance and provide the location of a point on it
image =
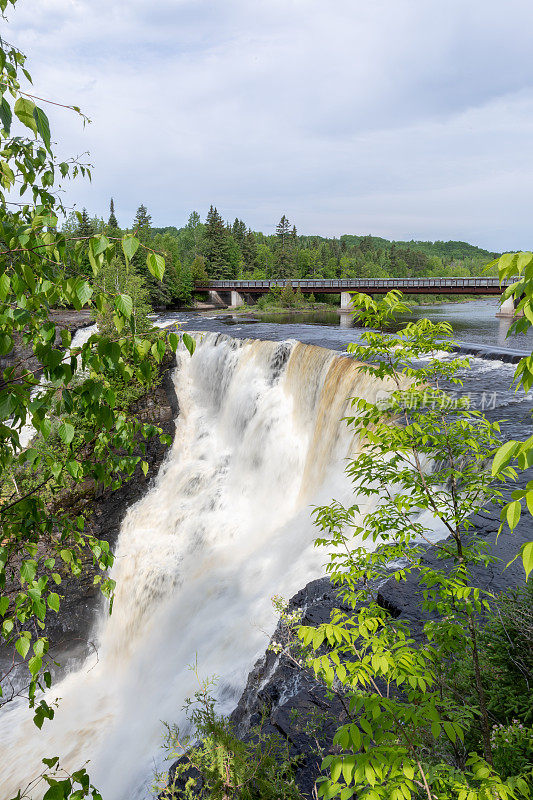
(112, 222)
(86, 226)
(284, 263)
(282, 232)
(142, 223)
(84, 230)
(249, 250)
(216, 243)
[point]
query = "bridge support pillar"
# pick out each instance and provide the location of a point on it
(346, 301)
(507, 309)
(237, 299)
(216, 299)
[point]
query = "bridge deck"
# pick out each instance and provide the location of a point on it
(472, 286)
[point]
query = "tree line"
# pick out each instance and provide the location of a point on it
(217, 250)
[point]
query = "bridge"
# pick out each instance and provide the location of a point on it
(239, 290)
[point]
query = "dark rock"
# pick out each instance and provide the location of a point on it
(69, 630)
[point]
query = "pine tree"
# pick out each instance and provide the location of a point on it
(249, 250)
(86, 226)
(216, 246)
(112, 222)
(282, 232)
(239, 232)
(284, 256)
(142, 223)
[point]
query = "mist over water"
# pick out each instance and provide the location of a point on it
(259, 439)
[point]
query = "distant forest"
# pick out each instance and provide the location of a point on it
(217, 249)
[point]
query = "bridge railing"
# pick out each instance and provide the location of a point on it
(346, 285)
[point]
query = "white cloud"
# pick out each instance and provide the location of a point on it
(405, 118)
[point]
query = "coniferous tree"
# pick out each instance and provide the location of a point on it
(142, 223)
(239, 232)
(216, 246)
(86, 226)
(112, 222)
(282, 232)
(160, 291)
(284, 257)
(249, 251)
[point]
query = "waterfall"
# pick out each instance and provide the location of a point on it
(226, 525)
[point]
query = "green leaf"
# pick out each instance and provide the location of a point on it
(83, 292)
(5, 286)
(189, 343)
(527, 557)
(23, 645)
(513, 513)
(66, 432)
(28, 570)
(46, 428)
(42, 125)
(130, 245)
(53, 601)
(24, 109)
(124, 305)
(156, 265)
(6, 343)
(503, 456)
(34, 665)
(58, 791)
(5, 115)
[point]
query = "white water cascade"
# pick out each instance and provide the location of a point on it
(259, 439)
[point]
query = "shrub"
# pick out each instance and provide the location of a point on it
(513, 749)
(213, 764)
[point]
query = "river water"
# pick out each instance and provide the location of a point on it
(225, 526)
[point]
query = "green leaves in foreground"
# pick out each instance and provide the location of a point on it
(518, 267)
(420, 458)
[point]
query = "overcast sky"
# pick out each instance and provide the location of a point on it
(400, 118)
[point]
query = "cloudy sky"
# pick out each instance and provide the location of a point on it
(400, 118)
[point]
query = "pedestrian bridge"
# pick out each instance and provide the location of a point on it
(240, 290)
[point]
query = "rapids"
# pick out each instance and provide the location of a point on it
(226, 525)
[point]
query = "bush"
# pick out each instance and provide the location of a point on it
(512, 746)
(507, 656)
(213, 764)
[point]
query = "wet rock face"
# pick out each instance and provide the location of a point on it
(290, 703)
(22, 357)
(69, 631)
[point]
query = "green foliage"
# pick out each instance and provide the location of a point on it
(215, 765)
(216, 247)
(230, 251)
(75, 398)
(118, 282)
(518, 455)
(513, 749)
(506, 657)
(420, 456)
